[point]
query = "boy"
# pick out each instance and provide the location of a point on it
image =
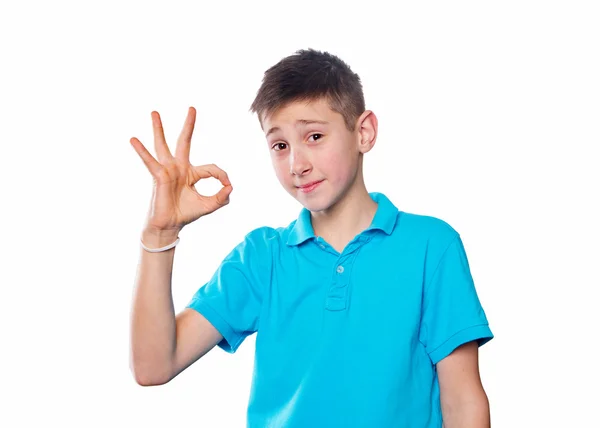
(366, 316)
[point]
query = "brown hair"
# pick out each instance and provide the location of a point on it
(309, 75)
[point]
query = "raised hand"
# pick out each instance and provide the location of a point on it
(175, 201)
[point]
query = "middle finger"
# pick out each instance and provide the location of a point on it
(182, 151)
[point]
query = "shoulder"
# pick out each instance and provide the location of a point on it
(427, 227)
(265, 236)
(252, 254)
(263, 239)
(262, 234)
(428, 237)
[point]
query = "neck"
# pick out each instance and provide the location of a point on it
(346, 218)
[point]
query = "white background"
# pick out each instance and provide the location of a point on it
(488, 119)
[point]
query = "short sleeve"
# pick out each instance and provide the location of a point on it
(231, 300)
(452, 314)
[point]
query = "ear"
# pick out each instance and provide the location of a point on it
(366, 130)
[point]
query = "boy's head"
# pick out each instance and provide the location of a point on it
(311, 107)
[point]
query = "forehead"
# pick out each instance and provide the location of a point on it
(298, 113)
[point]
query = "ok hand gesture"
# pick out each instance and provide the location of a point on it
(175, 201)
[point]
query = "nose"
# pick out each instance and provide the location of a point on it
(299, 164)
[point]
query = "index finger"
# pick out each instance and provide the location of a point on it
(206, 171)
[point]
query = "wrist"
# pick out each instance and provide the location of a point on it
(158, 238)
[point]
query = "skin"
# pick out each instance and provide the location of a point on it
(341, 208)
(463, 399)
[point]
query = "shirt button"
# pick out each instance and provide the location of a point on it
(340, 269)
(322, 246)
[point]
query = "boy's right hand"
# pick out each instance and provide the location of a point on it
(175, 201)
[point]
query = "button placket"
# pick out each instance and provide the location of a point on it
(337, 295)
(337, 298)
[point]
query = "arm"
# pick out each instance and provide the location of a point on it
(464, 401)
(162, 345)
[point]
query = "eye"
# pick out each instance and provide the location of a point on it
(278, 145)
(320, 135)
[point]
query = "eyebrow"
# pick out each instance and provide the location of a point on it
(299, 122)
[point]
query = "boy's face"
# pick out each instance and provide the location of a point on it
(304, 151)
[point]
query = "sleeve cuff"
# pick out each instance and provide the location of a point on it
(481, 333)
(230, 340)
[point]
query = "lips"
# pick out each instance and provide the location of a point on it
(310, 187)
(306, 186)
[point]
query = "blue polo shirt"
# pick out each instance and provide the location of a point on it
(347, 339)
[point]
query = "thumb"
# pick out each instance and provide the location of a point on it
(222, 197)
(212, 203)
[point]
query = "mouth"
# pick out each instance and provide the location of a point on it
(309, 187)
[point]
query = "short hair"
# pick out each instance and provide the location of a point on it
(309, 75)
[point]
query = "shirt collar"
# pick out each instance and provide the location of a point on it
(384, 220)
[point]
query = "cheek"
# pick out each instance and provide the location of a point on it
(281, 170)
(339, 166)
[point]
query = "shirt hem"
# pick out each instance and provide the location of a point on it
(481, 333)
(231, 339)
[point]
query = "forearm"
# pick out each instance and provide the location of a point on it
(473, 412)
(153, 327)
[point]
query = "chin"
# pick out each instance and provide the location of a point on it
(313, 206)
(314, 203)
